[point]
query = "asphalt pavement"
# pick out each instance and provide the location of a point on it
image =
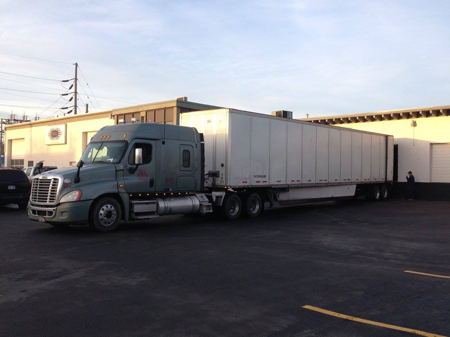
(185, 276)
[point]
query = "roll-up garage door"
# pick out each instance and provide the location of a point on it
(18, 153)
(440, 163)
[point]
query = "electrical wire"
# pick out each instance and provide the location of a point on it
(32, 84)
(117, 100)
(60, 109)
(71, 86)
(87, 95)
(35, 58)
(24, 106)
(50, 106)
(31, 92)
(40, 78)
(40, 99)
(38, 114)
(81, 72)
(81, 100)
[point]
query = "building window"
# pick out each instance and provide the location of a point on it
(30, 163)
(17, 163)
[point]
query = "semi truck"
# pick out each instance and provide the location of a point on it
(230, 162)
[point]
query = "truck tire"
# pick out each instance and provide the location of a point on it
(105, 215)
(253, 205)
(232, 207)
(375, 193)
(384, 192)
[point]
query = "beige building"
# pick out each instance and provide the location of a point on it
(61, 141)
(422, 136)
(422, 139)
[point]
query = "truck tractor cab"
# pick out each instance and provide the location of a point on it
(127, 172)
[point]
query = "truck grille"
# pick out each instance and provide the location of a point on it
(44, 191)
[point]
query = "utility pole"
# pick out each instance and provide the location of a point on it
(75, 104)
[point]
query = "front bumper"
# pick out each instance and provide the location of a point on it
(68, 213)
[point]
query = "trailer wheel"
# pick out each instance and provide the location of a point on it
(384, 192)
(375, 193)
(232, 207)
(105, 215)
(253, 205)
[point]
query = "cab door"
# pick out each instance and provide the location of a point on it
(140, 178)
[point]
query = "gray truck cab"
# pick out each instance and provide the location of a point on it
(127, 172)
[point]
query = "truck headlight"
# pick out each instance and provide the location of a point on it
(71, 196)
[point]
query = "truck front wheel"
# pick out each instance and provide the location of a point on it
(232, 207)
(253, 205)
(105, 215)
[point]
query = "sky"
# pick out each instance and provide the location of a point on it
(315, 57)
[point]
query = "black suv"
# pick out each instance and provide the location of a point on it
(15, 187)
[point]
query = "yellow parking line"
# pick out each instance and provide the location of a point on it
(366, 321)
(426, 274)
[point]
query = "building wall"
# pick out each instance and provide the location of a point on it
(32, 136)
(26, 142)
(414, 143)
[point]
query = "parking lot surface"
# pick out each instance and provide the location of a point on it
(184, 276)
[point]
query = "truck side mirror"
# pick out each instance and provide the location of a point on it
(137, 156)
(77, 177)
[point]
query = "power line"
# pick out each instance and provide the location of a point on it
(40, 99)
(40, 78)
(32, 92)
(32, 84)
(49, 107)
(84, 103)
(35, 58)
(60, 109)
(87, 95)
(117, 100)
(37, 115)
(45, 87)
(24, 106)
(89, 87)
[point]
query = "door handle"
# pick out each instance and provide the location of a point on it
(152, 182)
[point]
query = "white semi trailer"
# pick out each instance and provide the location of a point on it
(229, 161)
(253, 158)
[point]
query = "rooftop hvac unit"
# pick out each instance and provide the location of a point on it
(282, 113)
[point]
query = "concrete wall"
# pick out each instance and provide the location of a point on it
(34, 134)
(414, 144)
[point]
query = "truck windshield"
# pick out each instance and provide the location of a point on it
(104, 152)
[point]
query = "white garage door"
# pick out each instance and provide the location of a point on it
(18, 153)
(440, 163)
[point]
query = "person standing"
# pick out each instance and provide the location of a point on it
(410, 179)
